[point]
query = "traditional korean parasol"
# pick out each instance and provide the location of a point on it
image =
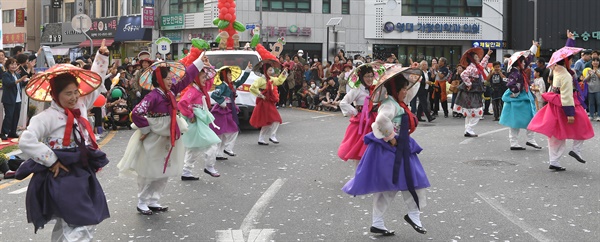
(176, 69)
(38, 87)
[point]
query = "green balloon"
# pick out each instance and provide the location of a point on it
(117, 93)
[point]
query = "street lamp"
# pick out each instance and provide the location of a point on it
(331, 23)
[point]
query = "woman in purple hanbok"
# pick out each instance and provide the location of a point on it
(390, 163)
(64, 154)
(155, 152)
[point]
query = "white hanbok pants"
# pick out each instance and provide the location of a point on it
(150, 191)
(513, 136)
(63, 232)
(268, 131)
(556, 148)
(382, 200)
(207, 154)
(227, 143)
(470, 122)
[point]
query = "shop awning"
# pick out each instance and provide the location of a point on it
(130, 29)
(62, 49)
(97, 42)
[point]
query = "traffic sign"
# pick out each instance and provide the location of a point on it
(164, 45)
(250, 26)
(81, 22)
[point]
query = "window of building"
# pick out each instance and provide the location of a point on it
(134, 7)
(300, 6)
(69, 11)
(91, 11)
(459, 8)
(186, 6)
(345, 6)
(326, 6)
(8, 16)
(418, 53)
(109, 8)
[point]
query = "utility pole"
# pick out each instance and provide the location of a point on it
(260, 22)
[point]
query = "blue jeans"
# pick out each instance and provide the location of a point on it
(594, 102)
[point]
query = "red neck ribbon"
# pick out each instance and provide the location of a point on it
(174, 129)
(479, 67)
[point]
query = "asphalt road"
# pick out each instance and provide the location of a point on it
(481, 191)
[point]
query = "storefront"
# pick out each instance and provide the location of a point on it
(427, 31)
(296, 38)
(132, 36)
(102, 28)
(71, 40)
(12, 40)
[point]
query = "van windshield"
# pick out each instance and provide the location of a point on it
(239, 60)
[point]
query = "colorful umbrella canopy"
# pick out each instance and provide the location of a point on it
(38, 87)
(410, 75)
(258, 68)
(176, 69)
(378, 70)
(463, 59)
(563, 53)
(236, 72)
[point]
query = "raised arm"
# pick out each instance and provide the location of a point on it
(99, 66)
(191, 72)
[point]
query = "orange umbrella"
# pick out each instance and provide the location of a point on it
(177, 69)
(38, 87)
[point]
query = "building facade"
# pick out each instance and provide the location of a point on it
(20, 25)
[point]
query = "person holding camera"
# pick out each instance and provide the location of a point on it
(13, 83)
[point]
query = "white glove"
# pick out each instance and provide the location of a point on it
(138, 94)
(223, 104)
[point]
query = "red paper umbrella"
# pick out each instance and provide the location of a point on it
(175, 68)
(38, 87)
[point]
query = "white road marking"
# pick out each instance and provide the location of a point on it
(513, 218)
(324, 116)
(19, 191)
(247, 228)
(284, 123)
(469, 140)
(256, 235)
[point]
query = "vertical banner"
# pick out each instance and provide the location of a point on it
(19, 17)
(147, 17)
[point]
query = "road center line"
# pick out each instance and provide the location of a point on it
(260, 206)
(513, 218)
(108, 137)
(469, 140)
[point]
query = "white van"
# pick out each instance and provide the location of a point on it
(245, 100)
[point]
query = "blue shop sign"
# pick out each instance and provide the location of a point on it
(490, 44)
(148, 3)
(428, 27)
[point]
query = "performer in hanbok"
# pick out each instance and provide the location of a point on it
(155, 152)
(226, 112)
(564, 117)
(358, 105)
(64, 154)
(200, 141)
(469, 102)
(265, 115)
(519, 103)
(390, 163)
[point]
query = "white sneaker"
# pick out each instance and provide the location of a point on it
(597, 119)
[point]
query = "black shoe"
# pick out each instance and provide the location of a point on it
(537, 147)
(421, 120)
(576, 156)
(431, 120)
(517, 148)
(417, 228)
(229, 153)
(221, 158)
(274, 141)
(3, 137)
(262, 143)
(211, 174)
(189, 178)
(144, 212)
(557, 168)
(158, 209)
(471, 135)
(445, 115)
(487, 113)
(496, 119)
(382, 232)
(13, 136)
